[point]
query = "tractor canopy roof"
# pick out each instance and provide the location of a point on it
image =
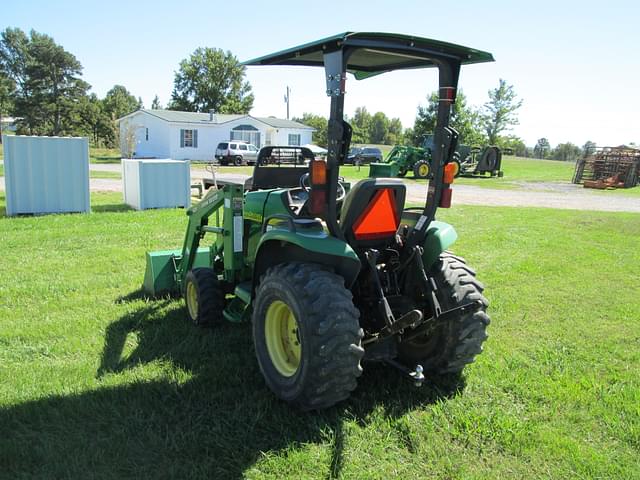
(374, 53)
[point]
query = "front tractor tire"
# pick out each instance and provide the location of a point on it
(307, 335)
(455, 344)
(203, 296)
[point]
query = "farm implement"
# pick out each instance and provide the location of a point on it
(331, 275)
(470, 161)
(609, 167)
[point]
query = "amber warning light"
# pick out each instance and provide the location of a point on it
(318, 180)
(450, 171)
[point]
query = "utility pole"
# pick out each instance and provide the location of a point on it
(286, 100)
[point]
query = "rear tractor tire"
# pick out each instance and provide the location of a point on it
(306, 335)
(203, 296)
(455, 344)
(421, 169)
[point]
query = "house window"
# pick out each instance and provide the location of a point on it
(146, 134)
(246, 133)
(188, 138)
(294, 139)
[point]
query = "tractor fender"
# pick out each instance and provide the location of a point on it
(439, 237)
(280, 246)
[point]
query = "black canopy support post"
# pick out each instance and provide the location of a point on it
(335, 71)
(448, 84)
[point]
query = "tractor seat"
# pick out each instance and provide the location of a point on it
(371, 212)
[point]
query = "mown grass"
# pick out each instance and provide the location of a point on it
(96, 380)
(104, 155)
(104, 174)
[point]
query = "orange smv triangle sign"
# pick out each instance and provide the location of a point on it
(379, 219)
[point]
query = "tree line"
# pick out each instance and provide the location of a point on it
(476, 126)
(41, 86)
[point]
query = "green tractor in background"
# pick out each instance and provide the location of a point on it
(401, 160)
(471, 161)
(332, 275)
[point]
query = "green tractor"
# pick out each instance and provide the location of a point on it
(401, 160)
(330, 275)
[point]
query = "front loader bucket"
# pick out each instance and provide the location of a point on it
(159, 276)
(383, 170)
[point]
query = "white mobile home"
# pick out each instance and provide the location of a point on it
(195, 136)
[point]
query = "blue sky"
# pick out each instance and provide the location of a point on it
(575, 64)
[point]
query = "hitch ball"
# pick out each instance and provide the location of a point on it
(418, 377)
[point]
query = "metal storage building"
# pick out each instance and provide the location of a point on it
(46, 174)
(156, 183)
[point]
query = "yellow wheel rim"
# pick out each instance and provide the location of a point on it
(191, 297)
(423, 170)
(283, 339)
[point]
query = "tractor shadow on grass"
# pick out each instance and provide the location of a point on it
(177, 401)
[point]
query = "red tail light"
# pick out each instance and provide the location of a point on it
(318, 200)
(445, 198)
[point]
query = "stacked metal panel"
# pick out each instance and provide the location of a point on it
(609, 167)
(156, 183)
(46, 174)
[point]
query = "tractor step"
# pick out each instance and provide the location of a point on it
(243, 292)
(237, 309)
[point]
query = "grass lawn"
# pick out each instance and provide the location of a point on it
(101, 174)
(104, 155)
(96, 378)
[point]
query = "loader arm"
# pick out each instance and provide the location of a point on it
(197, 227)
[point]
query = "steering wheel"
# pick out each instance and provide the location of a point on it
(340, 191)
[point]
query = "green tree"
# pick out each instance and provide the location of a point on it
(14, 56)
(211, 79)
(7, 90)
(394, 133)
(47, 79)
(567, 152)
(499, 113)
(514, 143)
(542, 148)
(361, 125)
(588, 148)
(464, 118)
(155, 105)
(319, 123)
(407, 137)
(119, 102)
(97, 124)
(379, 128)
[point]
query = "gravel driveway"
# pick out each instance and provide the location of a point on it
(553, 195)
